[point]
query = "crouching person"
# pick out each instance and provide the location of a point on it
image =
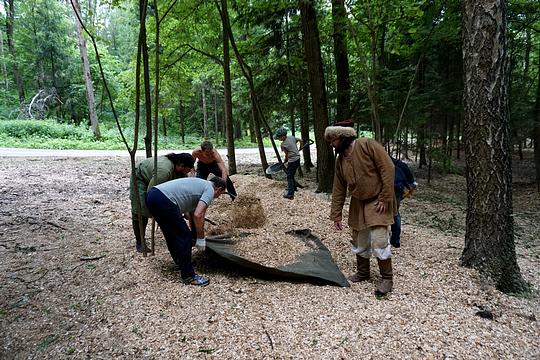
(364, 168)
(168, 202)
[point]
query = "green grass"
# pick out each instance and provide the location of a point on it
(49, 134)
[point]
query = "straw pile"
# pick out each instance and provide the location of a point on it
(248, 212)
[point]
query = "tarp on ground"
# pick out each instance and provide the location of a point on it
(316, 264)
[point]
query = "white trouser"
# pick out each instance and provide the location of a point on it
(372, 240)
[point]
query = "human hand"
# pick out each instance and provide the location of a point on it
(380, 207)
(200, 244)
(338, 225)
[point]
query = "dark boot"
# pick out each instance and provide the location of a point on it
(386, 283)
(139, 240)
(362, 266)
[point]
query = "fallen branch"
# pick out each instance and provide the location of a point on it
(91, 258)
(269, 338)
(32, 102)
(56, 225)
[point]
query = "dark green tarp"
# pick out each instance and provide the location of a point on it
(316, 264)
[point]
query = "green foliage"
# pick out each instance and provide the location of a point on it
(49, 134)
(388, 36)
(23, 129)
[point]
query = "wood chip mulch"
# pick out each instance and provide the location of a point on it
(55, 212)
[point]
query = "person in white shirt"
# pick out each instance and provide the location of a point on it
(169, 202)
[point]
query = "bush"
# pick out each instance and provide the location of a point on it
(25, 129)
(49, 134)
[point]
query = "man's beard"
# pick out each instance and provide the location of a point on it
(343, 145)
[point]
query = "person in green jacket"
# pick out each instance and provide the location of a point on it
(169, 167)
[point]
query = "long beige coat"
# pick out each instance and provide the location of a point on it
(368, 174)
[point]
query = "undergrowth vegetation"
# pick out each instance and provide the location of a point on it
(49, 134)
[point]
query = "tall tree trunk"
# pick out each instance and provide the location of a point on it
(94, 124)
(290, 82)
(216, 118)
(405, 150)
(182, 123)
(339, 19)
(246, 71)
(258, 134)
(4, 68)
(373, 91)
(489, 236)
(527, 55)
(205, 113)
(304, 123)
(146, 76)
(164, 125)
(10, 17)
(536, 130)
(312, 49)
(458, 136)
(421, 146)
(229, 128)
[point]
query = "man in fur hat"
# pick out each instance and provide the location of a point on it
(364, 169)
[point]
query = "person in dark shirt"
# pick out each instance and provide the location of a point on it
(169, 167)
(404, 184)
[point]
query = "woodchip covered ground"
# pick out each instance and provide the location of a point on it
(56, 211)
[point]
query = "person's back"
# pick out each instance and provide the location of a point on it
(187, 192)
(169, 167)
(289, 145)
(404, 180)
(145, 169)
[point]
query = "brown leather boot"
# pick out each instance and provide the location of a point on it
(362, 265)
(386, 283)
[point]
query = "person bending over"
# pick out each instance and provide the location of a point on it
(209, 161)
(169, 167)
(169, 202)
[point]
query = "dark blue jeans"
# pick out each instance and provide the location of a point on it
(395, 238)
(177, 233)
(203, 170)
(291, 171)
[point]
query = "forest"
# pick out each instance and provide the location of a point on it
(395, 67)
(450, 87)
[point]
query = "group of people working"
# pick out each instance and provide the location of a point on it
(376, 182)
(175, 197)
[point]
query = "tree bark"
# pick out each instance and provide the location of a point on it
(536, 130)
(146, 76)
(205, 113)
(216, 118)
(489, 236)
(258, 135)
(341, 59)
(290, 83)
(312, 49)
(229, 128)
(246, 71)
(4, 68)
(94, 124)
(304, 123)
(182, 123)
(10, 17)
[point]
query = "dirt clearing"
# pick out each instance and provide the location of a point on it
(72, 285)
